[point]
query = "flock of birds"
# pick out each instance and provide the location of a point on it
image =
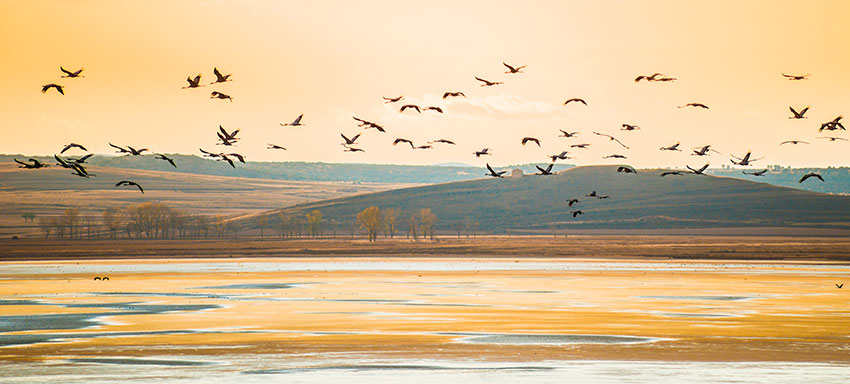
(229, 138)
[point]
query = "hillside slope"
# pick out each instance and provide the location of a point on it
(644, 200)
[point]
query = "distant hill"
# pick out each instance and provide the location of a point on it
(642, 200)
(299, 171)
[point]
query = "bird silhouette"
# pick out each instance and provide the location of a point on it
(560, 156)
(512, 69)
(81, 160)
(832, 138)
(839, 285)
(614, 156)
(485, 151)
(275, 146)
(219, 78)
(394, 99)
(295, 123)
(797, 77)
(612, 138)
(160, 156)
(70, 74)
(545, 171)
(629, 127)
(576, 100)
(352, 149)
(527, 139)
(744, 161)
(567, 134)
(674, 147)
(453, 94)
(487, 83)
(34, 164)
(228, 135)
(700, 171)
(438, 109)
(647, 78)
(668, 173)
(221, 96)
(444, 141)
(493, 173)
(573, 201)
(59, 88)
(697, 105)
(582, 146)
(798, 115)
(810, 175)
(833, 125)
(368, 124)
(576, 213)
(351, 140)
(703, 151)
(755, 173)
(626, 169)
(72, 145)
(402, 140)
(794, 142)
(410, 106)
(97, 278)
(194, 83)
(594, 194)
(127, 182)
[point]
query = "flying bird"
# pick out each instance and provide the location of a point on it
(567, 134)
(810, 175)
(487, 83)
(647, 78)
(594, 194)
(572, 201)
(224, 140)
(73, 145)
(71, 74)
(485, 151)
(561, 156)
(394, 99)
(194, 83)
(221, 96)
(575, 99)
(668, 173)
(798, 115)
(59, 88)
(127, 182)
(745, 160)
(611, 138)
(402, 140)
(833, 125)
(368, 124)
(629, 127)
(703, 151)
(512, 69)
(674, 147)
(35, 164)
(697, 105)
(219, 78)
(453, 94)
(839, 285)
(275, 146)
(228, 135)
(493, 173)
(295, 123)
(545, 171)
(411, 106)
(527, 139)
(700, 171)
(626, 169)
(582, 146)
(756, 173)
(438, 109)
(576, 213)
(423, 147)
(160, 156)
(238, 157)
(81, 160)
(444, 141)
(793, 142)
(351, 140)
(831, 138)
(797, 77)
(352, 149)
(614, 156)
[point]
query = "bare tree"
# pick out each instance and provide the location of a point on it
(427, 219)
(262, 222)
(390, 219)
(370, 220)
(314, 223)
(46, 225)
(71, 220)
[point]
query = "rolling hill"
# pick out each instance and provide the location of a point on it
(642, 200)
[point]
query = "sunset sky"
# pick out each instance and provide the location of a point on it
(333, 59)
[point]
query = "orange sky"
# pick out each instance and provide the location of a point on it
(332, 59)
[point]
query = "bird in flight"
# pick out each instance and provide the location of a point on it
(582, 146)
(700, 171)
(629, 127)
(703, 151)
(572, 201)
(668, 173)
(453, 94)
(221, 96)
(485, 151)
(626, 169)
(410, 106)
(545, 171)
(561, 156)
(839, 285)
(527, 139)
(575, 99)
(351, 140)
(394, 99)
(797, 77)
(614, 156)
(71, 74)
(225, 136)
(59, 88)
(576, 213)
(194, 83)
(512, 69)
(647, 78)
(219, 78)
(744, 160)
(352, 149)
(160, 156)
(567, 134)
(444, 141)
(810, 175)
(798, 115)
(833, 125)
(594, 194)
(129, 150)
(35, 164)
(493, 173)
(368, 124)
(72, 145)
(295, 123)
(674, 147)
(402, 140)
(487, 83)
(756, 173)
(275, 146)
(831, 138)
(611, 138)
(127, 182)
(697, 105)
(794, 142)
(426, 146)
(438, 109)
